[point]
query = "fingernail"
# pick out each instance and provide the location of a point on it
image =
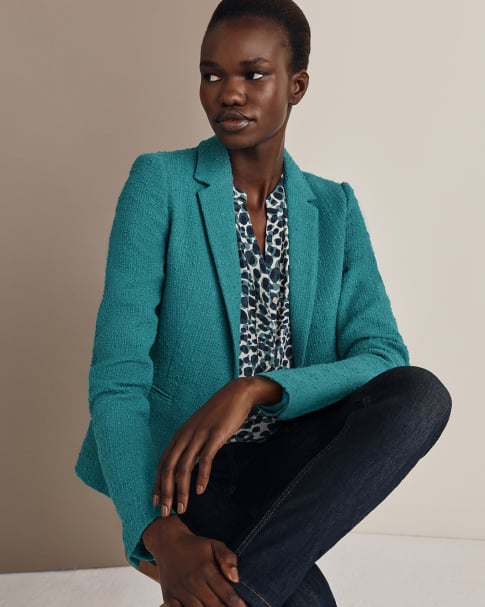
(234, 574)
(164, 510)
(156, 500)
(180, 508)
(199, 489)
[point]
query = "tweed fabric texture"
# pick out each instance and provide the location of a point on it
(168, 325)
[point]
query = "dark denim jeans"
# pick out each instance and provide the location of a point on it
(282, 503)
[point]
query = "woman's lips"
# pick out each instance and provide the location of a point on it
(232, 120)
(233, 125)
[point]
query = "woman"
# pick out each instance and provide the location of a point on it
(245, 346)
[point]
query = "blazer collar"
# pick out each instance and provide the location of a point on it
(213, 169)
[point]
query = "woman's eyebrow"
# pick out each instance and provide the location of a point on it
(245, 63)
(207, 63)
(252, 62)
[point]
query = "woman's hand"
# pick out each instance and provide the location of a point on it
(192, 567)
(191, 572)
(202, 435)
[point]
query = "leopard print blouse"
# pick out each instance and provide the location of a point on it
(265, 341)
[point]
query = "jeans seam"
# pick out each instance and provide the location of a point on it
(256, 593)
(262, 521)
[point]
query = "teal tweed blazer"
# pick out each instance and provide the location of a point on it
(167, 329)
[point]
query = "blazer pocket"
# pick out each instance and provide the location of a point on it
(160, 393)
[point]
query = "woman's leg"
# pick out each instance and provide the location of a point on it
(217, 515)
(313, 591)
(385, 427)
(223, 512)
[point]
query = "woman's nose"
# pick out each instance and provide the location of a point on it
(232, 93)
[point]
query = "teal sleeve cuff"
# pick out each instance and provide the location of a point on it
(275, 409)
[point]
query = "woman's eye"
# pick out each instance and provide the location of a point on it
(254, 75)
(211, 77)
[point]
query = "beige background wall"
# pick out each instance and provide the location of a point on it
(395, 108)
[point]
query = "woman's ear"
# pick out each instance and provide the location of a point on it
(298, 86)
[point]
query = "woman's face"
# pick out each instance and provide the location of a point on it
(246, 89)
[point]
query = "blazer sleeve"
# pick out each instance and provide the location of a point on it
(368, 339)
(121, 371)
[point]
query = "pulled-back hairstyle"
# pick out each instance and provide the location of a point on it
(284, 13)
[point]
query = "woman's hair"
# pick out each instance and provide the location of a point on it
(284, 13)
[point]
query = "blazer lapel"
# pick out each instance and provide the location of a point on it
(217, 206)
(304, 255)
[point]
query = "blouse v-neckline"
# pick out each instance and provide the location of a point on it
(271, 203)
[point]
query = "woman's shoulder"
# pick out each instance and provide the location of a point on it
(329, 191)
(325, 184)
(160, 171)
(324, 189)
(167, 158)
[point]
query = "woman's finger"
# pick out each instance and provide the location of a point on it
(170, 601)
(206, 458)
(156, 491)
(187, 598)
(183, 470)
(166, 472)
(163, 490)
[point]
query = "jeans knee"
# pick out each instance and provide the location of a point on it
(435, 393)
(420, 396)
(429, 400)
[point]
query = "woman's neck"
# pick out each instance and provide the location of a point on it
(257, 171)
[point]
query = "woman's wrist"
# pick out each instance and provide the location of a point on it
(264, 390)
(161, 530)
